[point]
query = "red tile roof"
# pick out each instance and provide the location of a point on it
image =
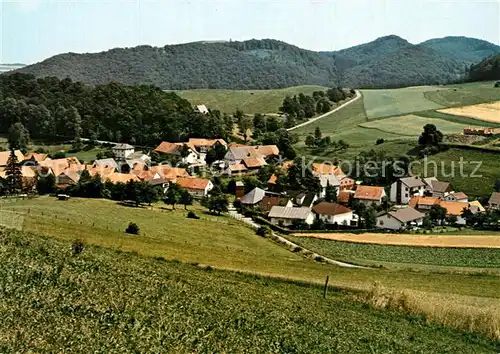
(192, 183)
(369, 192)
(325, 208)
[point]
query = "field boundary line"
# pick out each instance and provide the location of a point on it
(441, 241)
(358, 96)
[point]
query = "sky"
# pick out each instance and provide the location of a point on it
(33, 30)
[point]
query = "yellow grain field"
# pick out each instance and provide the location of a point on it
(489, 112)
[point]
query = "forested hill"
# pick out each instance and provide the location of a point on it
(469, 50)
(260, 64)
(488, 69)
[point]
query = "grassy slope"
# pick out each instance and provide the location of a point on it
(219, 242)
(250, 101)
(394, 102)
(465, 94)
(104, 301)
(371, 253)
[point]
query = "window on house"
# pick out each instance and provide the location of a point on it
(381, 222)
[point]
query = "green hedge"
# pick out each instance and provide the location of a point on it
(472, 147)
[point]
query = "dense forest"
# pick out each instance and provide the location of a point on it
(265, 64)
(53, 109)
(488, 69)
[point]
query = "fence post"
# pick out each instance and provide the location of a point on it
(326, 286)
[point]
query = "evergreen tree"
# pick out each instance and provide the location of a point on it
(14, 175)
(331, 194)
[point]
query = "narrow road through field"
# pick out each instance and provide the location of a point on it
(462, 241)
(358, 96)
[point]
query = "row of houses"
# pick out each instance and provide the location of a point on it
(67, 172)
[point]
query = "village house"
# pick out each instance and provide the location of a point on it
(437, 188)
(235, 169)
(423, 203)
(170, 173)
(481, 131)
(35, 157)
(67, 178)
(333, 213)
(306, 199)
(401, 219)
(254, 197)
(197, 187)
(286, 216)
(122, 151)
(494, 201)
(252, 157)
(109, 162)
(369, 195)
(456, 197)
(455, 209)
(160, 183)
(58, 166)
(184, 151)
(269, 201)
(405, 188)
(203, 145)
(139, 156)
(4, 157)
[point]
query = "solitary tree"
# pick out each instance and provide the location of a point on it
(173, 195)
(431, 136)
(185, 198)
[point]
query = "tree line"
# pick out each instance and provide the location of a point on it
(53, 110)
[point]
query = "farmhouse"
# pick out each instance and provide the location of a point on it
(58, 166)
(306, 199)
(400, 219)
(201, 108)
(369, 194)
(333, 213)
(405, 188)
(197, 187)
(35, 157)
(253, 157)
(455, 209)
(423, 203)
(253, 197)
(170, 173)
(203, 145)
(439, 189)
(185, 151)
(269, 201)
(286, 216)
(122, 151)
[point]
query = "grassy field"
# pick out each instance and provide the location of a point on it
(224, 243)
(412, 125)
(386, 254)
(464, 94)
(448, 169)
(250, 101)
(107, 301)
(395, 102)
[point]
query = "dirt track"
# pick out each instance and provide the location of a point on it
(475, 241)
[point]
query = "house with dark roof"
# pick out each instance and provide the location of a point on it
(333, 213)
(400, 219)
(405, 188)
(440, 189)
(269, 201)
(306, 199)
(253, 197)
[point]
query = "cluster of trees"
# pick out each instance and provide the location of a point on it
(303, 106)
(318, 141)
(488, 69)
(430, 140)
(53, 109)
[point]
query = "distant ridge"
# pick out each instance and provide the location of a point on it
(389, 61)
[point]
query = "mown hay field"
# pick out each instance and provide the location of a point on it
(489, 112)
(249, 101)
(413, 125)
(395, 102)
(53, 300)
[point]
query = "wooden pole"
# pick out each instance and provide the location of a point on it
(326, 286)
